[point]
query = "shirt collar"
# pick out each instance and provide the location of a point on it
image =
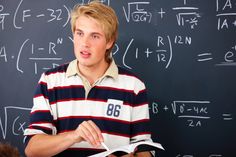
(112, 70)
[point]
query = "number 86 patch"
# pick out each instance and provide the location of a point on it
(114, 107)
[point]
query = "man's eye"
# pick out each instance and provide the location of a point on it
(79, 33)
(95, 36)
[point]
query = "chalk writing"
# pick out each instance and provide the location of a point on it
(163, 53)
(137, 13)
(227, 116)
(204, 57)
(33, 53)
(162, 41)
(160, 55)
(226, 13)
(183, 40)
(193, 111)
(2, 17)
(187, 15)
(50, 50)
(21, 15)
(229, 58)
(161, 13)
(3, 54)
(13, 122)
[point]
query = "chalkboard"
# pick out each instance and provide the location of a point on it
(184, 50)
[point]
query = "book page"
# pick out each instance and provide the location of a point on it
(131, 148)
(121, 150)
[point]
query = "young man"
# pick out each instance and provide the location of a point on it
(90, 100)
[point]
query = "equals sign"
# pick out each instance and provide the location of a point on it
(227, 116)
(204, 57)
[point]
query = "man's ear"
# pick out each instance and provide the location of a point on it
(109, 44)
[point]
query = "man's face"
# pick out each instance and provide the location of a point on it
(90, 42)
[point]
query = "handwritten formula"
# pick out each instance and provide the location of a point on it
(184, 51)
(164, 47)
(13, 124)
(194, 112)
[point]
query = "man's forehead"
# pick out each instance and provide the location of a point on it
(90, 24)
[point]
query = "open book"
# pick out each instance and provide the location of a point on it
(134, 147)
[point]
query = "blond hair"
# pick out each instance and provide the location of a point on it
(104, 14)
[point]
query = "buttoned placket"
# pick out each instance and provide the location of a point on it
(88, 86)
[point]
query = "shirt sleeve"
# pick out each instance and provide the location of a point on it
(140, 125)
(41, 118)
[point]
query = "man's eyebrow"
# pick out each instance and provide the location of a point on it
(96, 33)
(77, 29)
(93, 33)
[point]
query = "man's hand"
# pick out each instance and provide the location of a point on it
(89, 132)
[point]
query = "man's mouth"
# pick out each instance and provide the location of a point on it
(85, 54)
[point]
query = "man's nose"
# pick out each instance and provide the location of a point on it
(86, 41)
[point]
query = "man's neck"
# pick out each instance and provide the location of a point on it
(93, 73)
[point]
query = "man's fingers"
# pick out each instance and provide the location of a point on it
(85, 133)
(91, 133)
(98, 131)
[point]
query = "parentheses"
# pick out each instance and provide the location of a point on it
(13, 126)
(68, 15)
(126, 51)
(150, 17)
(171, 51)
(19, 55)
(14, 19)
(117, 49)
